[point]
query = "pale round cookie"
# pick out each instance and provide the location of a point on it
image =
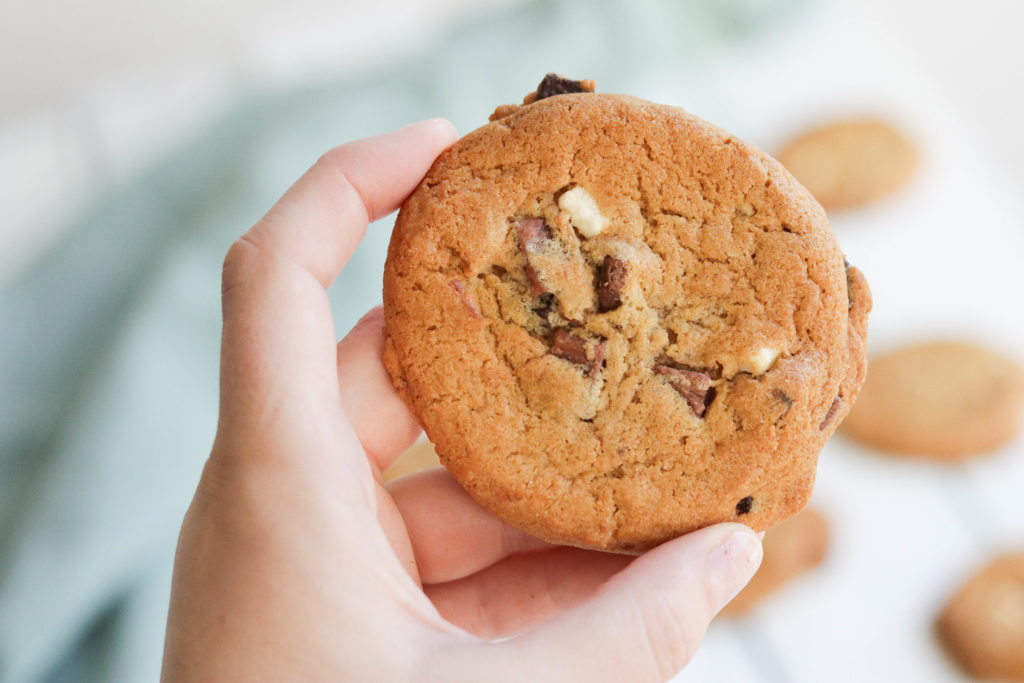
(791, 548)
(850, 163)
(982, 627)
(618, 323)
(942, 400)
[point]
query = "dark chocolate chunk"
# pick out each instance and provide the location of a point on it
(611, 278)
(745, 505)
(831, 414)
(709, 397)
(460, 290)
(573, 348)
(694, 387)
(547, 305)
(533, 234)
(570, 347)
(553, 84)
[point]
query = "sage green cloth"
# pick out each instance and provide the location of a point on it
(109, 344)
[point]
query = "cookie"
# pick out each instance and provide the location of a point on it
(618, 323)
(942, 400)
(982, 627)
(851, 163)
(793, 547)
(420, 456)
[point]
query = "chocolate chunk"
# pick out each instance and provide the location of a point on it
(694, 387)
(553, 84)
(533, 234)
(745, 505)
(573, 348)
(460, 290)
(570, 347)
(547, 305)
(709, 397)
(831, 414)
(611, 278)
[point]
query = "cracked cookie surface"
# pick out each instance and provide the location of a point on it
(618, 323)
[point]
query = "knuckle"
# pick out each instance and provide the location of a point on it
(338, 161)
(238, 263)
(333, 157)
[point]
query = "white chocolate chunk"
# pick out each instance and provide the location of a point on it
(760, 360)
(583, 212)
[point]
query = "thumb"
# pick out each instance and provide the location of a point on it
(647, 621)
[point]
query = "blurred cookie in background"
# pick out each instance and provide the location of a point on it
(939, 400)
(982, 627)
(791, 548)
(420, 456)
(850, 163)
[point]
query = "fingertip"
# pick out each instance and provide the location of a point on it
(720, 559)
(731, 563)
(441, 127)
(373, 319)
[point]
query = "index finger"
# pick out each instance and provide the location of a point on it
(279, 339)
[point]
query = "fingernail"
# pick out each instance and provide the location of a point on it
(731, 564)
(439, 122)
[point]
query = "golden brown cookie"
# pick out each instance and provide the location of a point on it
(982, 627)
(420, 456)
(618, 323)
(943, 400)
(791, 548)
(850, 163)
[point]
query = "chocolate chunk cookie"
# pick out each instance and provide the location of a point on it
(618, 323)
(847, 164)
(791, 548)
(943, 400)
(983, 625)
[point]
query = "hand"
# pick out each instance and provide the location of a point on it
(296, 563)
